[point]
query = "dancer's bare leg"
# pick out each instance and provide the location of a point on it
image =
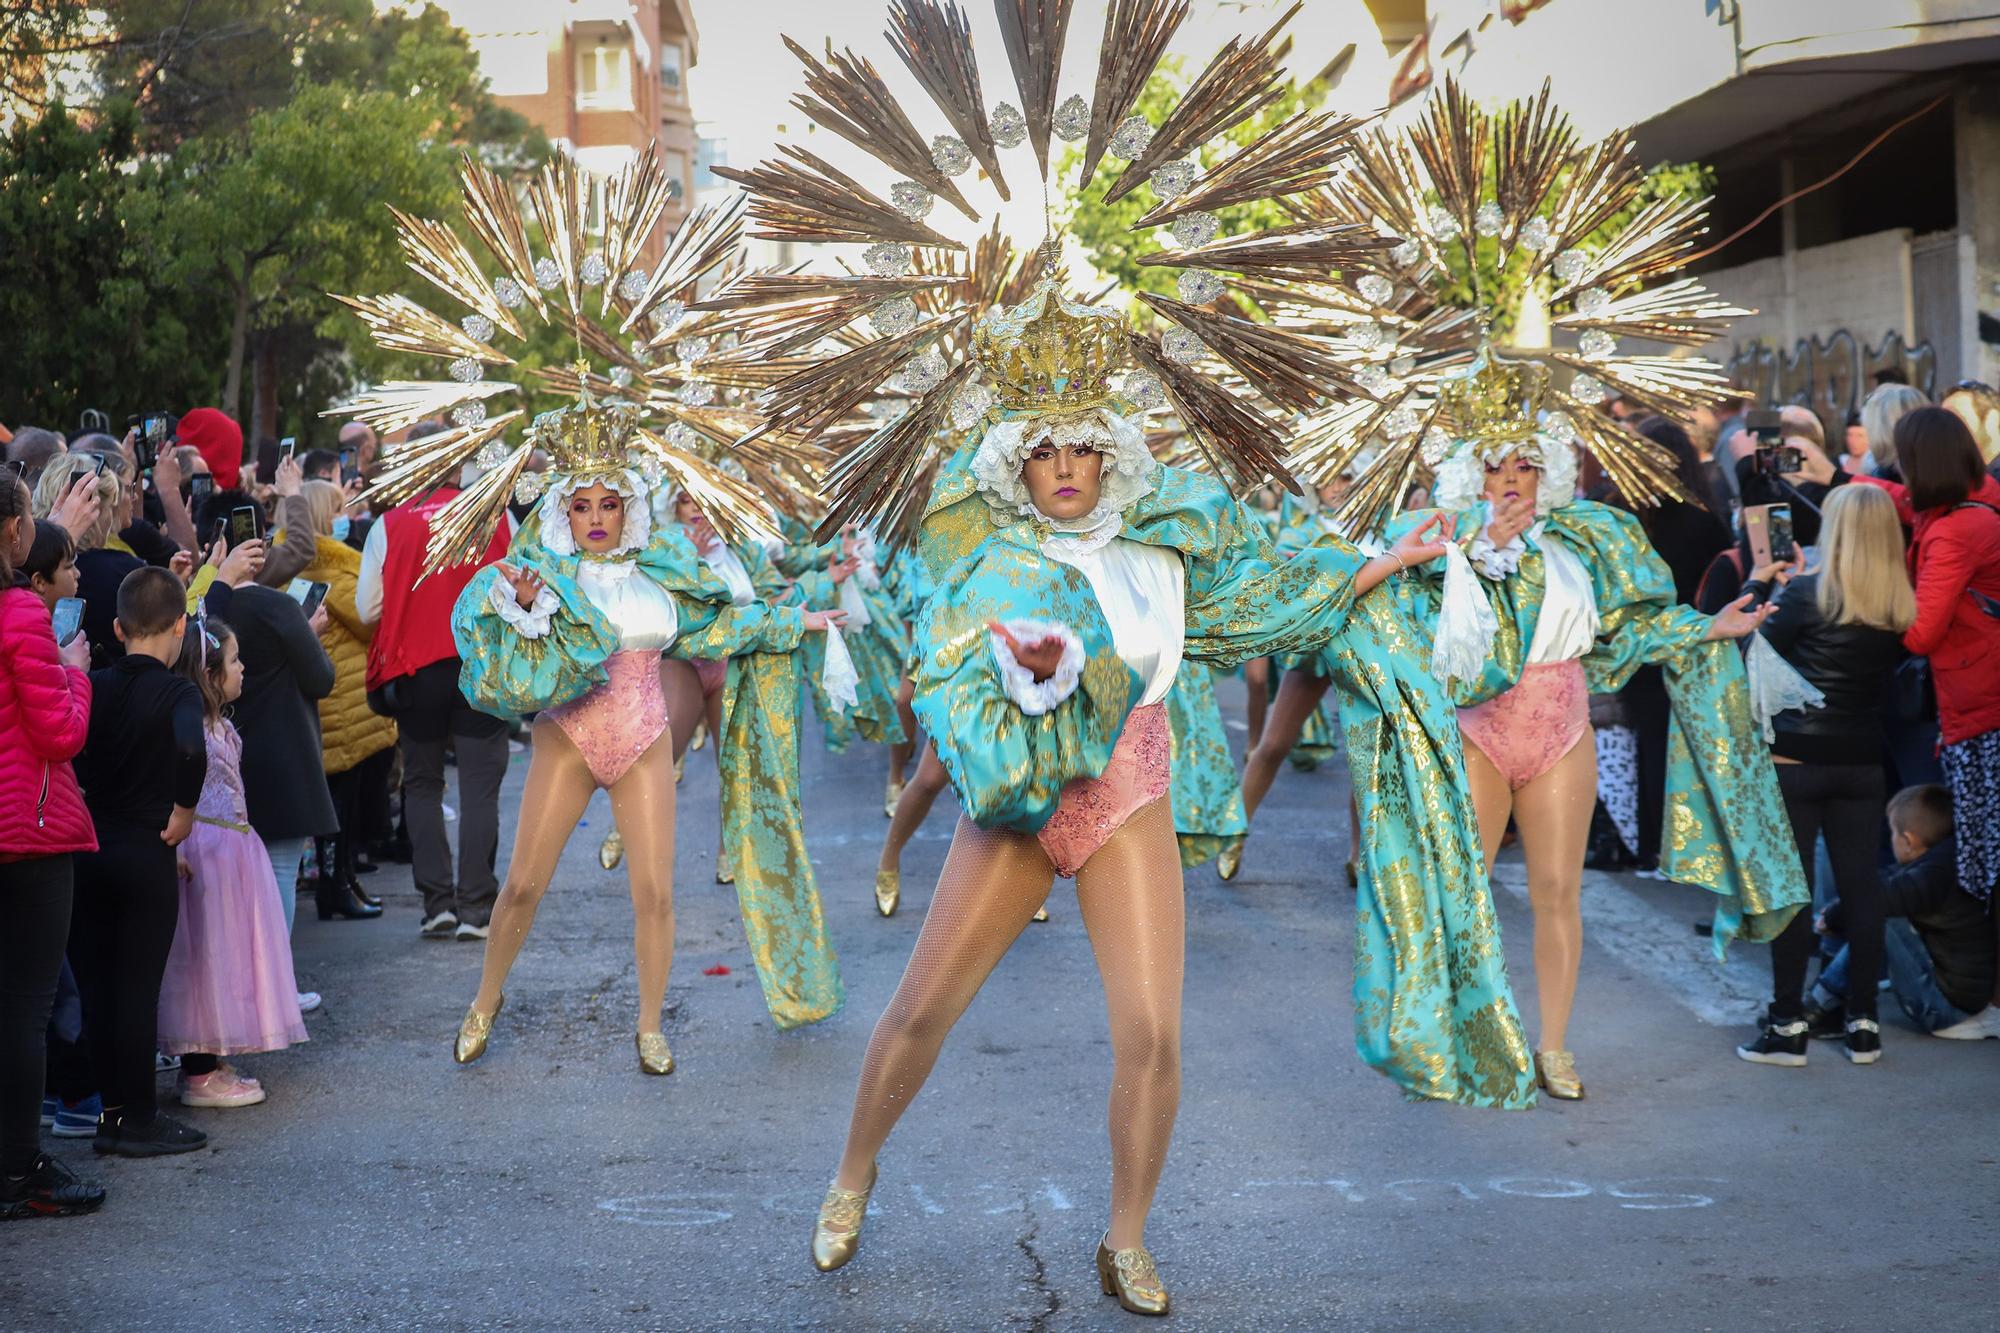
(991, 885)
(900, 752)
(1553, 813)
(683, 690)
(912, 807)
(1130, 894)
(642, 803)
(1298, 695)
(1256, 695)
(559, 786)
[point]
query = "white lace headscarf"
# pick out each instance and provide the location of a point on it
(1461, 479)
(1127, 476)
(626, 482)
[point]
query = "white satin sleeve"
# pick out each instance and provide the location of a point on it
(1566, 629)
(1031, 696)
(1142, 591)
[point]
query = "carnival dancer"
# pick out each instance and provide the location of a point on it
(1495, 397)
(1076, 577)
(572, 625)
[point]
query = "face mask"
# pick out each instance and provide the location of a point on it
(341, 525)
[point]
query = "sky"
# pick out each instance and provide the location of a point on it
(742, 85)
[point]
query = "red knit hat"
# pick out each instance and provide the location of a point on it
(219, 440)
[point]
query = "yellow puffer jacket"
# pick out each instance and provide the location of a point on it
(349, 731)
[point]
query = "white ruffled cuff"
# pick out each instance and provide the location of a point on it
(1031, 696)
(1497, 562)
(1775, 686)
(837, 675)
(531, 623)
(852, 602)
(1466, 623)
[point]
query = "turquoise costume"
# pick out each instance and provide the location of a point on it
(1208, 798)
(1721, 786)
(878, 648)
(508, 675)
(1433, 1008)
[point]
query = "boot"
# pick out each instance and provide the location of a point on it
(341, 900)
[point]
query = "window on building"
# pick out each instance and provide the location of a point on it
(670, 66)
(604, 76)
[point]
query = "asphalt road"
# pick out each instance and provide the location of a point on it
(552, 1186)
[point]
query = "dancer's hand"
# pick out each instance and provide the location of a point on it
(819, 622)
(526, 583)
(179, 824)
(1512, 516)
(1041, 657)
(1425, 542)
(841, 570)
(1738, 619)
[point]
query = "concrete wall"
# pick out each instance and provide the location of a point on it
(1862, 285)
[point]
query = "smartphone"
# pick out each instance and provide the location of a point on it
(1779, 525)
(85, 465)
(217, 530)
(1774, 457)
(348, 470)
(151, 432)
(307, 594)
(246, 524)
(67, 619)
(287, 447)
(201, 489)
(1757, 530)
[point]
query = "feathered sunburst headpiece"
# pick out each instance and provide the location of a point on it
(647, 394)
(1227, 357)
(1573, 236)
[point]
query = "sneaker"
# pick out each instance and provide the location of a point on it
(439, 927)
(1864, 1041)
(309, 1000)
(468, 931)
(49, 1190)
(160, 1137)
(50, 1105)
(1780, 1043)
(77, 1120)
(1825, 1024)
(164, 1063)
(1985, 1023)
(222, 1089)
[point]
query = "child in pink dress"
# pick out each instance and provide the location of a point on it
(229, 988)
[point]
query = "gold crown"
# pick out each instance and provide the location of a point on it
(1049, 354)
(586, 438)
(1493, 401)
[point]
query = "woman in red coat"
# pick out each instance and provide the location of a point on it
(1953, 508)
(44, 715)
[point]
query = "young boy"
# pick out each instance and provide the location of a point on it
(141, 768)
(1938, 942)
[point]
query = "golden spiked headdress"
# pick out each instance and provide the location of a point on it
(646, 395)
(1226, 355)
(1570, 232)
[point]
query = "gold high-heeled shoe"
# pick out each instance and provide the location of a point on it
(680, 767)
(1556, 1072)
(1041, 914)
(474, 1032)
(1230, 861)
(890, 797)
(1132, 1277)
(725, 873)
(612, 850)
(837, 1233)
(888, 891)
(654, 1057)
(700, 736)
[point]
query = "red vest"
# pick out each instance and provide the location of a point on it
(415, 629)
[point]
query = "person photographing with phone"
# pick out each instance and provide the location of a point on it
(44, 716)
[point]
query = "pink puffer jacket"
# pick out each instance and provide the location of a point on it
(44, 717)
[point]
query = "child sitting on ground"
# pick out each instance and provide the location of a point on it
(1938, 942)
(229, 988)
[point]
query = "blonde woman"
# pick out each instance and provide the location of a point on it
(357, 743)
(100, 568)
(1840, 625)
(1880, 412)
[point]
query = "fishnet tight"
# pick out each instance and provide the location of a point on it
(1129, 893)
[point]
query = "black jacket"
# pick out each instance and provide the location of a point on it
(1850, 664)
(285, 674)
(1954, 925)
(145, 752)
